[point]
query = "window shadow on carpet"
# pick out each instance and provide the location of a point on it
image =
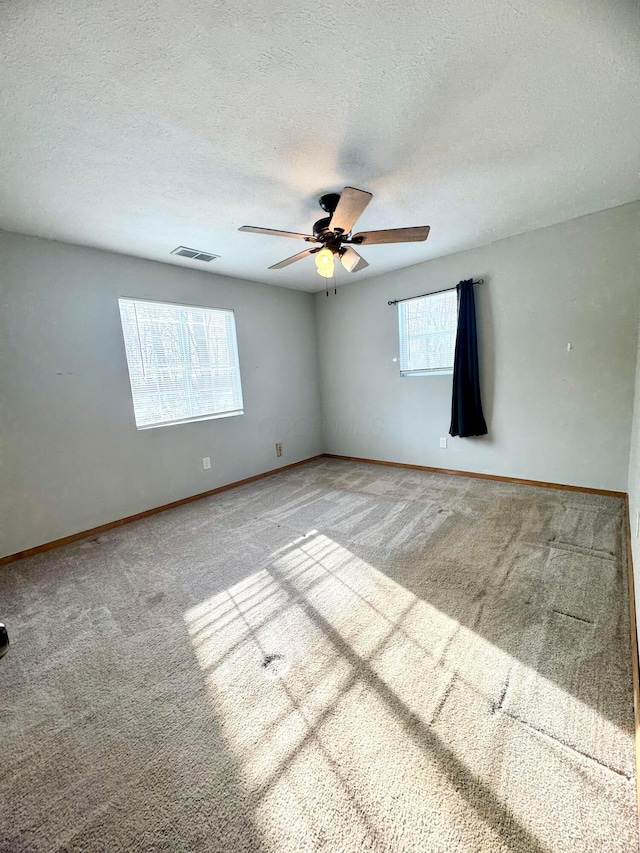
(366, 643)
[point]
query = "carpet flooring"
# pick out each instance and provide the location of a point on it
(342, 658)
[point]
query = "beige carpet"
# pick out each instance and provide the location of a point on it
(344, 657)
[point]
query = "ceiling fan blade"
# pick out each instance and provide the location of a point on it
(293, 259)
(270, 232)
(392, 235)
(350, 207)
(351, 260)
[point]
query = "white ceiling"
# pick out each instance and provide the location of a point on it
(137, 127)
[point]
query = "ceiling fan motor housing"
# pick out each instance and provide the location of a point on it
(322, 226)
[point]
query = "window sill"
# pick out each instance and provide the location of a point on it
(192, 420)
(446, 372)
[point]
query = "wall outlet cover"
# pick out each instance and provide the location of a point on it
(278, 448)
(206, 463)
(443, 443)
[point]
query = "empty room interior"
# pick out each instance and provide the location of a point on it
(319, 426)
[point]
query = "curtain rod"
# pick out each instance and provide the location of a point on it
(432, 293)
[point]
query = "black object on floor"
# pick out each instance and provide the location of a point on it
(4, 640)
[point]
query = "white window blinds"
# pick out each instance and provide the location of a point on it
(183, 362)
(428, 333)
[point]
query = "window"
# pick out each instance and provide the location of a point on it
(183, 362)
(428, 334)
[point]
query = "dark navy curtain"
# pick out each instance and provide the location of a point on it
(466, 406)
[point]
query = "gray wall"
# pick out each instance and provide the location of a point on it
(71, 458)
(553, 415)
(70, 455)
(634, 487)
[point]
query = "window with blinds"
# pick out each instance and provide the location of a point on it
(183, 362)
(428, 334)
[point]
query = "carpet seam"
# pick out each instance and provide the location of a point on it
(571, 616)
(624, 775)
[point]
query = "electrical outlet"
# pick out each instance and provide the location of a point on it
(637, 523)
(278, 448)
(443, 443)
(206, 463)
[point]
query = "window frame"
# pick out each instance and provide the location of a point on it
(437, 371)
(178, 421)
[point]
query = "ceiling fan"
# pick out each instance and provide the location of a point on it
(332, 234)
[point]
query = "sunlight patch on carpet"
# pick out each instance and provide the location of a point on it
(367, 658)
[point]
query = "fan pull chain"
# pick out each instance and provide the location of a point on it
(335, 291)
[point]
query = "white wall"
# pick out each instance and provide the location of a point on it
(70, 455)
(553, 415)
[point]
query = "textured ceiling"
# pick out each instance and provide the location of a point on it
(137, 127)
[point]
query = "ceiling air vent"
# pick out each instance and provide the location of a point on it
(194, 254)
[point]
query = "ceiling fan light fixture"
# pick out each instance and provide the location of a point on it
(324, 262)
(325, 272)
